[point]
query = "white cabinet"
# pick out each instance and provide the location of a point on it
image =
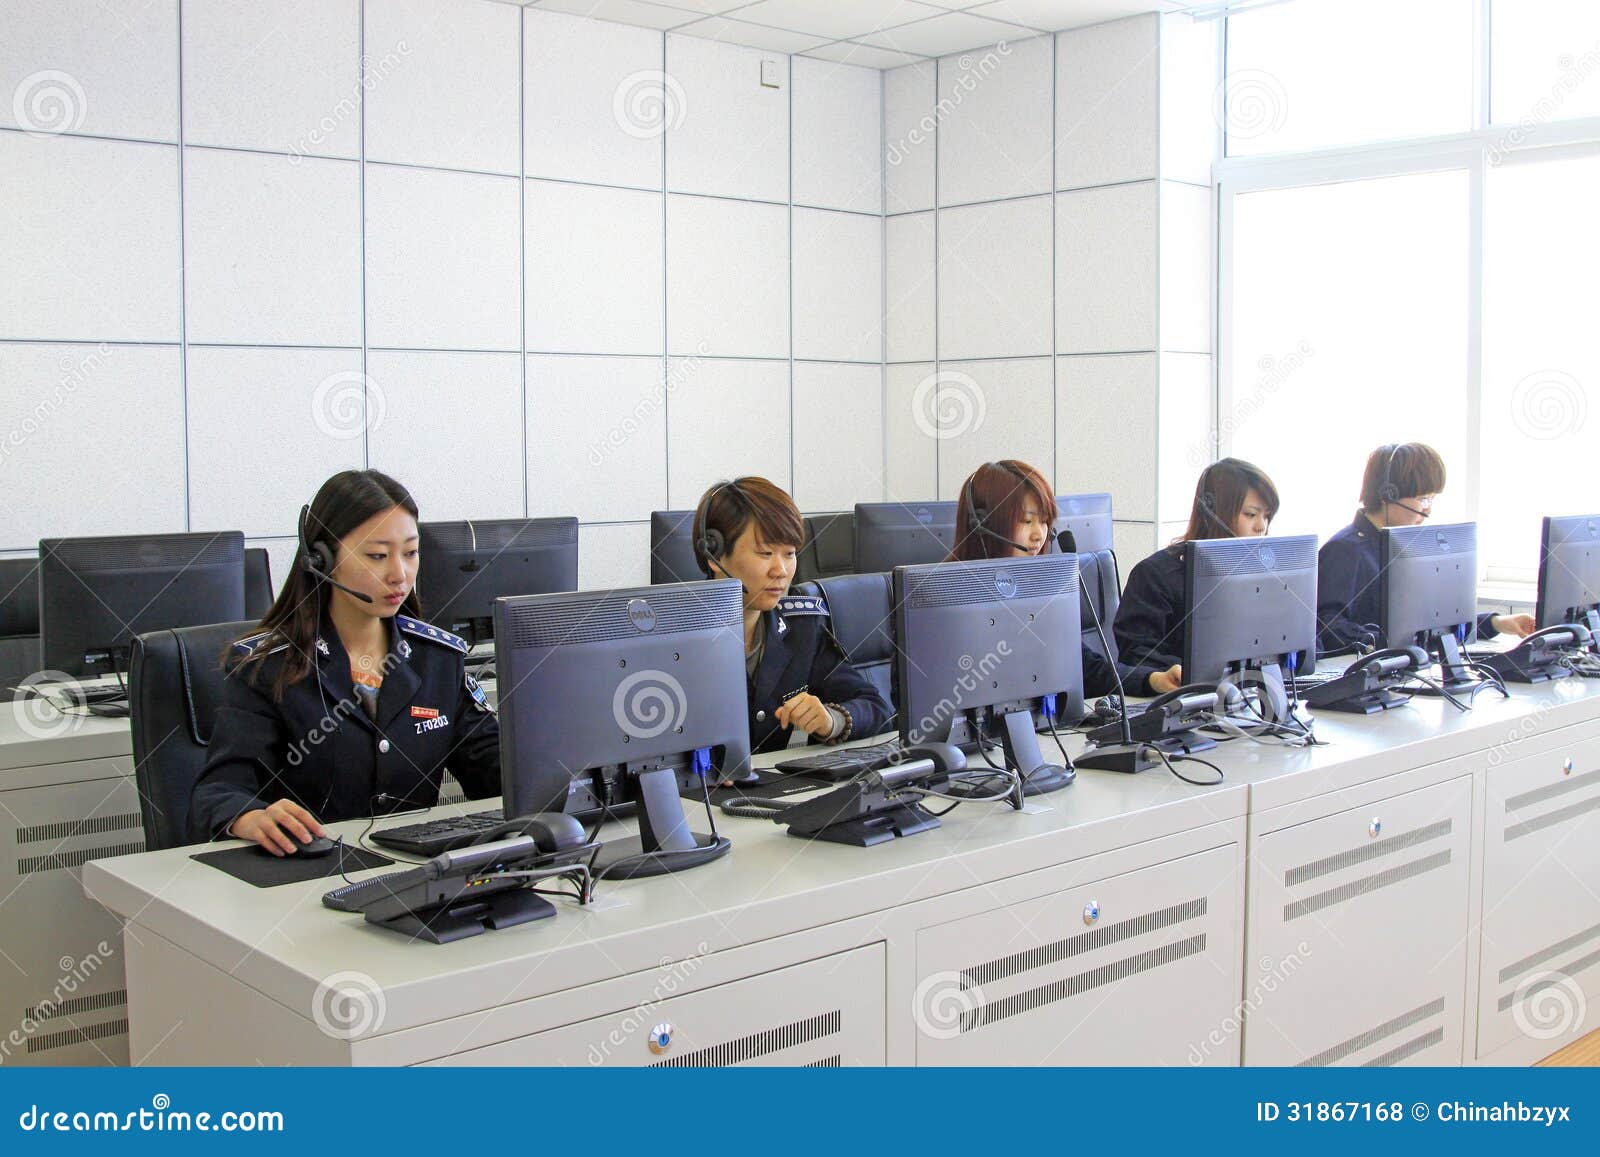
(61, 981)
(1358, 930)
(1539, 984)
(1136, 969)
(822, 1013)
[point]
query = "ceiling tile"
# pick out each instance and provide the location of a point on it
(750, 35)
(941, 35)
(834, 20)
(848, 52)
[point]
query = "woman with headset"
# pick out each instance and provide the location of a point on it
(1398, 488)
(799, 676)
(1233, 499)
(1007, 510)
(345, 703)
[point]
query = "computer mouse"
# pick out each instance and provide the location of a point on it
(317, 846)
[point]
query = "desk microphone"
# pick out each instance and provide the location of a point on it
(1068, 542)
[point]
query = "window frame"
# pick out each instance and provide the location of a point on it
(1485, 146)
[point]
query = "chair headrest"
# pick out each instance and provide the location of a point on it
(862, 606)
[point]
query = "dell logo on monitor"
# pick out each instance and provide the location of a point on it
(642, 615)
(1005, 586)
(1442, 539)
(924, 516)
(1594, 529)
(1269, 558)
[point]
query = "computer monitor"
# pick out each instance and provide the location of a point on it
(1252, 613)
(19, 598)
(982, 646)
(1088, 516)
(891, 534)
(1428, 591)
(1569, 572)
(672, 548)
(464, 566)
(641, 684)
(95, 594)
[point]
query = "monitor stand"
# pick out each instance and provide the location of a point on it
(1454, 674)
(664, 843)
(1021, 745)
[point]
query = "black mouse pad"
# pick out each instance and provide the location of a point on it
(768, 785)
(264, 870)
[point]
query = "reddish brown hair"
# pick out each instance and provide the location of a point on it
(1001, 491)
(730, 507)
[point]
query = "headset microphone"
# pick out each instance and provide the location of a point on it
(978, 517)
(317, 559)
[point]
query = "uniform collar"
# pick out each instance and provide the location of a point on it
(400, 680)
(1365, 529)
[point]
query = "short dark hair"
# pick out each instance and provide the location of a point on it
(1219, 496)
(730, 507)
(1412, 468)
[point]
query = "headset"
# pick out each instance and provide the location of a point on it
(1207, 500)
(978, 516)
(1388, 492)
(711, 544)
(316, 558)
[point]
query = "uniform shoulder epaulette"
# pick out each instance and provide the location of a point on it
(802, 605)
(428, 631)
(249, 644)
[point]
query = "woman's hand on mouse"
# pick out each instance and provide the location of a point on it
(1169, 680)
(280, 827)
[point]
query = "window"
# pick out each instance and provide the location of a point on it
(1545, 61)
(1349, 330)
(1313, 74)
(1541, 358)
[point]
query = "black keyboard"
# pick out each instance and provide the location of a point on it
(844, 762)
(431, 837)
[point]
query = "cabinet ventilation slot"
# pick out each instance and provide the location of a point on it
(1551, 791)
(1410, 1049)
(67, 829)
(1529, 963)
(1550, 819)
(1367, 884)
(1070, 986)
(981, 974)
(1552, 981)
(1373, 1035)
(77, 1036)
(1373, 850)
(834, 1062)
(77, 1004)
(74, 859)
(760, 1044)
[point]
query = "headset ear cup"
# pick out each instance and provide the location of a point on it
(712, 546)
(320, 558)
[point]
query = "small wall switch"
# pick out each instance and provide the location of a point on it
(769, 74)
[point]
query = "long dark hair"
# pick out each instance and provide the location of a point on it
(1001, 490)
(345, 501)
(1220, 495)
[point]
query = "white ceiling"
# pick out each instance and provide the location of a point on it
(874, 33)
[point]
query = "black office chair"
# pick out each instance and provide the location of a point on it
(19, 621)
(175, 688)
(830, 547)
(671, 547)
(862, 606)
(257, 583)
(1099, 582)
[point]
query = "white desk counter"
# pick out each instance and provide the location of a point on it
(1379, 871)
